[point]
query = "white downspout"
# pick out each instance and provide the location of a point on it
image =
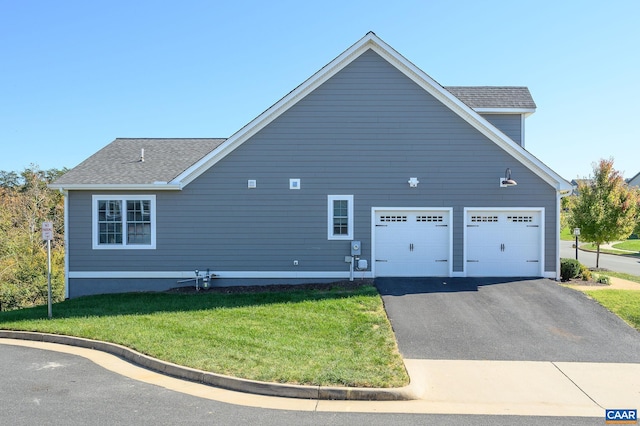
(558, 204)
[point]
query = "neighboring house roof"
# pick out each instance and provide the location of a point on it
(634, 181)
(89, 177)
(495, 98)
(576, 182)
(120, 163)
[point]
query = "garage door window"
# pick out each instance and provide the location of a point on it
(340, 217)
(476, 219)
(429, 218)
(519, 218)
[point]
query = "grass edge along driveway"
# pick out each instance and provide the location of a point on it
(335, 337)
(623, 303)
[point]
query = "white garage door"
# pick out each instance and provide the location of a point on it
(412, 243)
(503, 243)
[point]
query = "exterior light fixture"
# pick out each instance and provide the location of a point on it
(507, 181)
(413, 182)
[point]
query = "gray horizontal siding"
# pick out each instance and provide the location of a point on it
(509, 124)
(365, 132)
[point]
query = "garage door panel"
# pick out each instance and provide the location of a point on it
(412, 243)
(503, 243)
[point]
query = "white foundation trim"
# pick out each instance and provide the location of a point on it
(218, 274)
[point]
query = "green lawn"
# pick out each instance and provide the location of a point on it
(333, 337)
(633, 245)
(566, 234)
(624, 303)
(622, 275)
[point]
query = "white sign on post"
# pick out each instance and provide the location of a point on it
(47, 231)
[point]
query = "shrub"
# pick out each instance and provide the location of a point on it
(585, 273)
(603, 279)
(569, 268)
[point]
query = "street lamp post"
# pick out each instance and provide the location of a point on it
(576, 232)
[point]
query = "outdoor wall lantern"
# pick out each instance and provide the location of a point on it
(507, 181)
(413, 182)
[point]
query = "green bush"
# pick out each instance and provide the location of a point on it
(569, 268)
(603, 279)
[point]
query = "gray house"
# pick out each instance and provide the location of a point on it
(370, 156)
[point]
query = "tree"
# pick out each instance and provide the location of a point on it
(637, 230)
(606, 209)
(26, 202)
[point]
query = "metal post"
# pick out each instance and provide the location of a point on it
(49, 277)
(576, 247)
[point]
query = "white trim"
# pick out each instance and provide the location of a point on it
(66, 244)
(330, 200)
(124, 198)
(117, 187)
(523, 111)
(540, 210)
(374, 211)
(371, 41)
(218, 274)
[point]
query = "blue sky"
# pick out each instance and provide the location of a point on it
(74, 75)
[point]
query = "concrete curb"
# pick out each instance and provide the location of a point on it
(406, 393)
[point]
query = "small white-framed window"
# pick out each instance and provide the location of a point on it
(124, 221)
(340, 217)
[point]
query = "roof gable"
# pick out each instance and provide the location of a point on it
(371, 41)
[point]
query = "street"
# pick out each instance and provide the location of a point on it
(626, 264)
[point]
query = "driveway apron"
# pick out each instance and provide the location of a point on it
(503, 319)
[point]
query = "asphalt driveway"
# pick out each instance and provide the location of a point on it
(503, 319)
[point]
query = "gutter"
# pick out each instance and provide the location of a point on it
(156, 186)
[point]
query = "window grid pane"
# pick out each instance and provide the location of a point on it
(138, 222)
(109, 222)
(340, 217)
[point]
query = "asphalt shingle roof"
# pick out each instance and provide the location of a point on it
(493, 96)
(119, 162)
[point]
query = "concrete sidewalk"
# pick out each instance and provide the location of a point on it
(440, 386)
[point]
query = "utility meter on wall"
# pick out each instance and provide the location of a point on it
(355, 248)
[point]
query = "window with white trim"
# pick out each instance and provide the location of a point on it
(340, 217)
(124, 221)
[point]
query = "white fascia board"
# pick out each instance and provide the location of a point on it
(117, 187)
(524, 111)
(371, 41)
(218, 274)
